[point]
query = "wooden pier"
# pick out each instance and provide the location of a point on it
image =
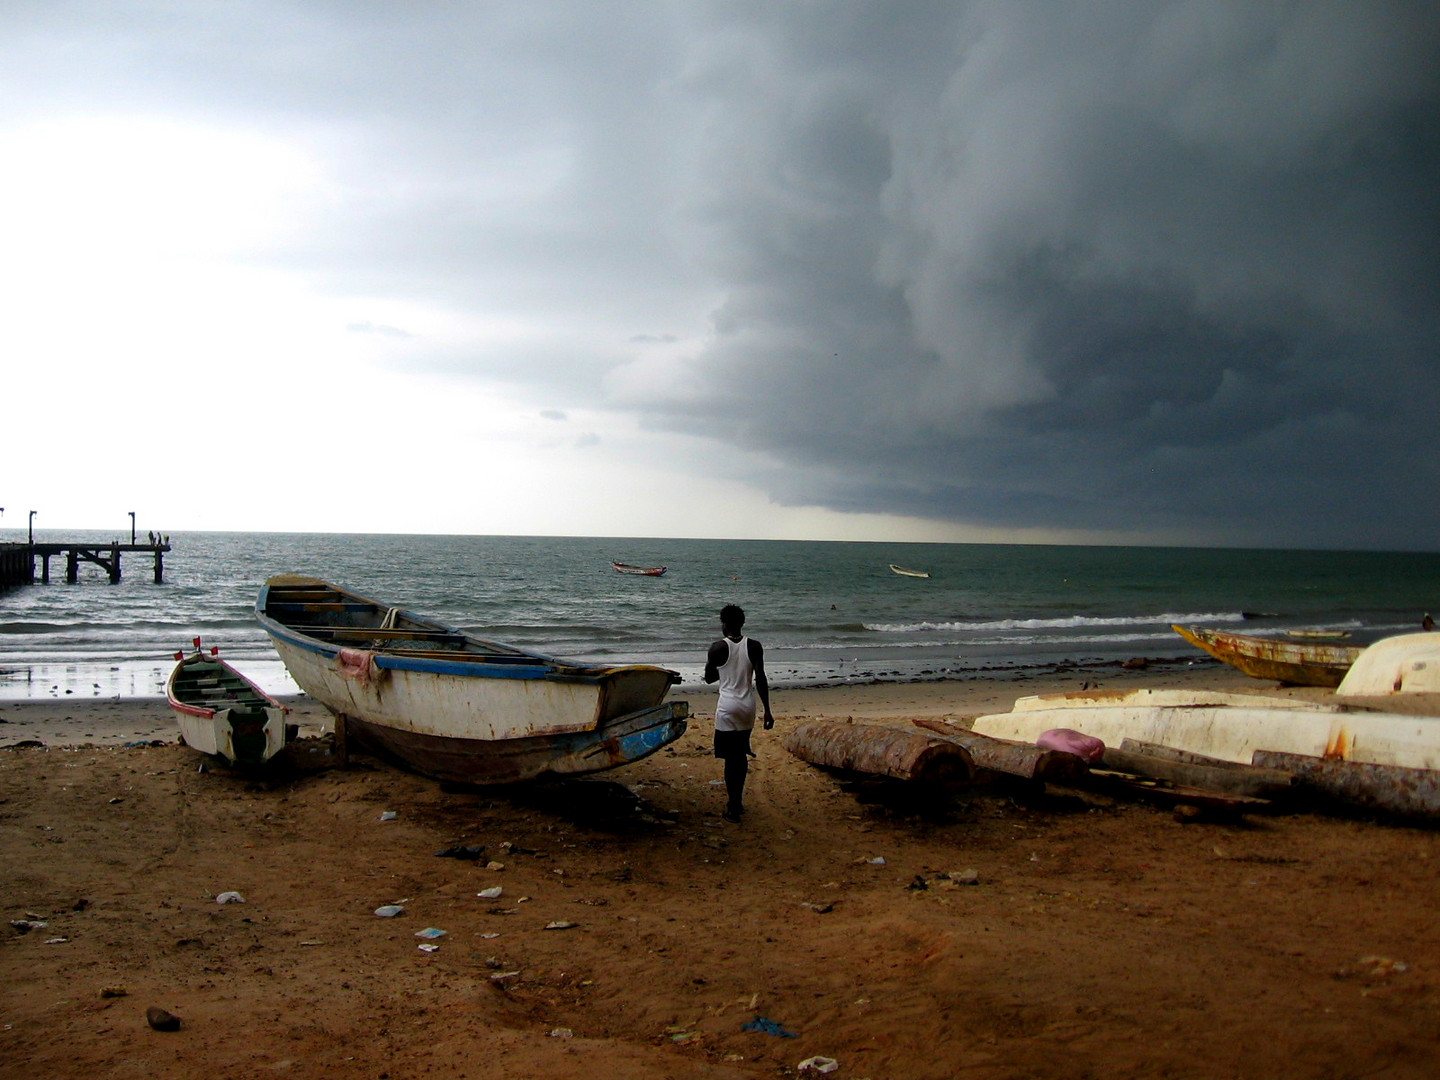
(17, 561)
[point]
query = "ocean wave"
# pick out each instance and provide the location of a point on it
(1070, 622)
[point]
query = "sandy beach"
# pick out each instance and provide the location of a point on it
(637, 934)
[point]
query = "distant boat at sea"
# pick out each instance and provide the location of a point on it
(905, 571)
(644, 571)
(1300, 663)
(456, 707)
(1319, 635)
(223, 713)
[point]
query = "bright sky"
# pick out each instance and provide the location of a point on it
(983, 271)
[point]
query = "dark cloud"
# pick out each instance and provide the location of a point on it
(1167, 269)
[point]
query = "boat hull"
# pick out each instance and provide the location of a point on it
(1236, 732)
(624, 740)
(1295, 662)
(1405, 664)
(456, 707)
(222, 713)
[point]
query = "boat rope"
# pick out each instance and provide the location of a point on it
(388, 623)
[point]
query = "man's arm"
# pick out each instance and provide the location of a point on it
(719, 653)
(762, 684)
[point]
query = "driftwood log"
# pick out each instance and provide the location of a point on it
(879, 750)
(1197, 771)
(1012, 758)
(1404, 792)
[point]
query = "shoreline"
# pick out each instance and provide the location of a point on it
(73, 721)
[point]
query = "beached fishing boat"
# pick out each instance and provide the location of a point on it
(1300, 663)
(644, 571)
(456, 707)
(905, 571)
(1366, 759)
(1405, 664)
(223, 713)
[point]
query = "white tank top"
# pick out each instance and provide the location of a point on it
(736, 709)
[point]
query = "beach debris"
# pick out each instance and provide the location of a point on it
(229, 898)
(426, 947)
(56, 940)
(495, 866)
(767, 1027)
(389, 911)
(492, 893)
(561, 1033)
(819, 909)
(878, 860)
(560, 924)
(1066, 740)
(918, 884)
(964, 877)
(503, 976)
(388, 815)
(113, 992)
(162, 1019)
(879, 750)
(430, 933)
(818, 1064)
(461, 851)
(31, 922)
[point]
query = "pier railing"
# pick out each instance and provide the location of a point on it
(17, 561)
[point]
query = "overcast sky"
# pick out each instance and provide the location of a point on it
(1111, 272)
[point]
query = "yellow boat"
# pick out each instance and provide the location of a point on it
(1300, 663)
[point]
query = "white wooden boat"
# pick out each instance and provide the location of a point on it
(223, 713)
(1230, 727)
(456, 707)
(1300, 663)
(905, 571)
(1406, 664)
(1349, 756)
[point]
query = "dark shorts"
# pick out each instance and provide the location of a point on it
(730, 744)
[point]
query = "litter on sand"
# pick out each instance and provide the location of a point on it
(430, 933)
(389, 815)
(768, 1027)
(389, 911)
(819, 1064)
(229, 898)
(491, 893)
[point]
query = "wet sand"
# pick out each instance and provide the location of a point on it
(637, 933)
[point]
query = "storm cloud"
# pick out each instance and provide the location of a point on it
(1163, 271)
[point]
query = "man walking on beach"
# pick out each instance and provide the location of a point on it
(738, 664)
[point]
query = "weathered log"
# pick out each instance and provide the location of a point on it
(1390, 789)
(1012, 758)
(1198, 771)
(879, 750)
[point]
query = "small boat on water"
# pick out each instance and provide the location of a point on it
(223, 713)
(1319, 635)
(644, 571)
(1300, 663)
(456, 707)
(905, 571)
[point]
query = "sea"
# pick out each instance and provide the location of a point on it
(827, 612)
